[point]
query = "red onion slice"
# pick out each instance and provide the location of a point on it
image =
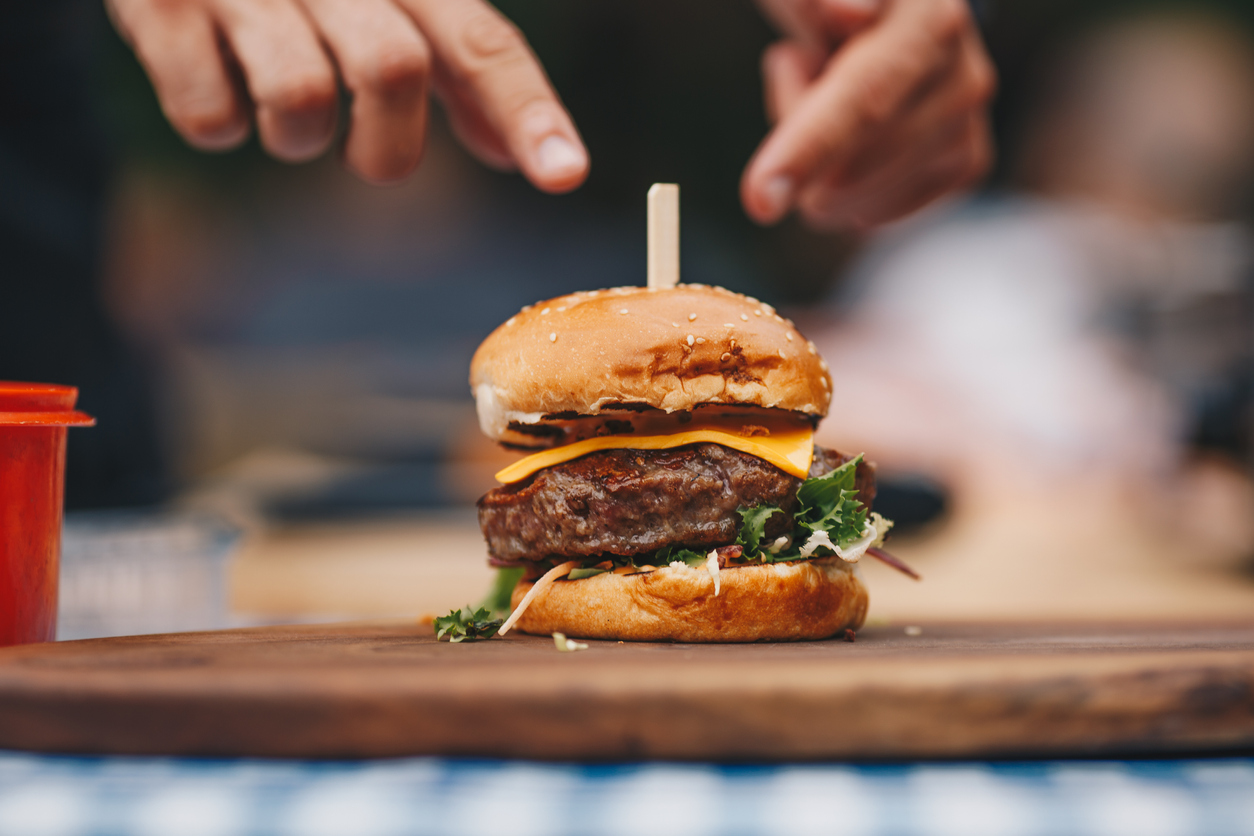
(895, 562)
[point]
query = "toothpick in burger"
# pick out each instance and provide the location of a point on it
(673, 490)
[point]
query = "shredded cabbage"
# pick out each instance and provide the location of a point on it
(711, 565)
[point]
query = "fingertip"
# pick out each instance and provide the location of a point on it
(295, 137)
(767, 198)
(380, 172)
(217, 136)
(208, 115)
(558, 164)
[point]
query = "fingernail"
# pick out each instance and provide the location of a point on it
(778, 193)
(557, 155)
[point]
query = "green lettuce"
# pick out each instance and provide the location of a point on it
(831, 504)
(753, 525)
(672, 554)
(497, 601)
(828, 504)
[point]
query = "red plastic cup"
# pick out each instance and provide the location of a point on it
(33, 419)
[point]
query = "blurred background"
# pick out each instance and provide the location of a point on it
(1054, 373)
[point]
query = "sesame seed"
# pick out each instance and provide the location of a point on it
(788, 336)
(623, 311)
(757, 311)
(728, 325)
(823, 364)
(726, 356)
(700, 340)
(744, 317)
(810, 345)
(511, 320)
(544, 312)
(562, 308)
(751, 300)
(782, 354)
(552, 336)
(690, 339)
(691, 317)
(823, 380)
(674, 324)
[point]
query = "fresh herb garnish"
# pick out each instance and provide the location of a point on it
(460, 625)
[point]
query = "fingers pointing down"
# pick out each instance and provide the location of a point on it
(494, 81)
(289, 77)
(178, 46)
(385, 64)
(894, 118)
(214, 61)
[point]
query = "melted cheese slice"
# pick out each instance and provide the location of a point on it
(790, 450)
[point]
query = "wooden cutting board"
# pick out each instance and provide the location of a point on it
(976, 690)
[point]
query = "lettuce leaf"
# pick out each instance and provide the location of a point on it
(498, 599)
(672, 554)
(828, 504)
(753, 525)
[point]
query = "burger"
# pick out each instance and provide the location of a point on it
(672, 489)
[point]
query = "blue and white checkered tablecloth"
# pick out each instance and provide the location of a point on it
(116, 796)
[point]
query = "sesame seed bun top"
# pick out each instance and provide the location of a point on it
(673, 349)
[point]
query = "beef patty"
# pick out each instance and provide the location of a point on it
(632, 502)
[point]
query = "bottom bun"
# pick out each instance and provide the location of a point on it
(774, 602)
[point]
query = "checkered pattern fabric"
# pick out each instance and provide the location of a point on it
(63, 796)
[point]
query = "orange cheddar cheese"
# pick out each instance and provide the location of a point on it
(790, 450)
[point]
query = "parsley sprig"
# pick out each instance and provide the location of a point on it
(460, 625)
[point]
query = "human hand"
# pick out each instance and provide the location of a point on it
(879, 107)
(220, 65)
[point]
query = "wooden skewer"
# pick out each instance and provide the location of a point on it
(663, 236)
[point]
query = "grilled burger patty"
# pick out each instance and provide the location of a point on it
(632, 502)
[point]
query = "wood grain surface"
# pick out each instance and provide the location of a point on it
(975, 690)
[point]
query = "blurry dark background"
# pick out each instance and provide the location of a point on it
(305, 338)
